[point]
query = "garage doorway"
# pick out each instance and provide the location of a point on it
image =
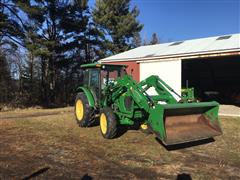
(215, 78)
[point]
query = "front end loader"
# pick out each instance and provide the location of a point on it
(116, 99)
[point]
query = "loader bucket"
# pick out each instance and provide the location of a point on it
(186, 122)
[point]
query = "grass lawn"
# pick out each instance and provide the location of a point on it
(48, 144)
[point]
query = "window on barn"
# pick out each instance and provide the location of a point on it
(176, 43)
(223, 37)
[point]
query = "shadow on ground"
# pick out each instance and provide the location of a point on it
(184, 176)
(37, 173)
(185, 145)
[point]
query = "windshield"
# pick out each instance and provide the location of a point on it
(110, 74)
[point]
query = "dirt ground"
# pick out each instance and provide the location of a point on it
(48, 144)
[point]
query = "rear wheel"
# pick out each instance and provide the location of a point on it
(108, 123)
(83, 112)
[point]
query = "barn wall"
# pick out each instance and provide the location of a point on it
(168, 71)
(133, 68)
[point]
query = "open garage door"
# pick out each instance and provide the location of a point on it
(215, 78)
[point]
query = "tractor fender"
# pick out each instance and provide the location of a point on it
(88, 94)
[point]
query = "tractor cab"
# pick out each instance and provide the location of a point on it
(98, 76)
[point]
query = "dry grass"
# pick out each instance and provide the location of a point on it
(49, 144)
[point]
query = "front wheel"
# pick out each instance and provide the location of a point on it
(108, 123)
(83, 112)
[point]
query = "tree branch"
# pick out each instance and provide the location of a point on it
(12, 11)
(14, 40)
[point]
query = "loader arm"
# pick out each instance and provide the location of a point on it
(163, 90)
(127, 85)
(173, 122)
(139, 93)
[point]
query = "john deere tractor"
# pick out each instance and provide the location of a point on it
(114, 98)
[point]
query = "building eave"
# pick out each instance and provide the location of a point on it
(172, 57)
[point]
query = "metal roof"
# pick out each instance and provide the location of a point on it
(225, 43)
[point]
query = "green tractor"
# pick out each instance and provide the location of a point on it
(116, 99)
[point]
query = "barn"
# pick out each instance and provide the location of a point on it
(210, 65)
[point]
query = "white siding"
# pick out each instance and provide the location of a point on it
(168, 71)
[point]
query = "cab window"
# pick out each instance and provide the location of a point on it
(110, 74)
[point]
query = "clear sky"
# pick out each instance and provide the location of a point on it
(187, 19)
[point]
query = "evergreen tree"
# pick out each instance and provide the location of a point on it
(44, 40)
(155, 39)
(145, 42)
(5, 80)
(11, 25)
(137, 41)
(59, 36)
(83, 35)
(118, 22)
(11, 36)
(62, 35)
(30, 77)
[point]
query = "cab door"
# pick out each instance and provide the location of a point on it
(92, 81)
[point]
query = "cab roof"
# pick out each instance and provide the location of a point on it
(97, 65)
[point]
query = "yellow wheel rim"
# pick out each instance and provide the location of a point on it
(79, 110)
(103, 123)
(144, 126)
